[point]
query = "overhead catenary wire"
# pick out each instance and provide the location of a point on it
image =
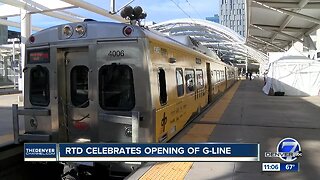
(181, 8)
(186, 15)
(195, 10)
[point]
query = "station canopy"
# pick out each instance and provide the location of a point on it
(228, 45)
(274, 25)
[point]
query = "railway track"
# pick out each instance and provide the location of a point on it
(13, 166)
(11, 159)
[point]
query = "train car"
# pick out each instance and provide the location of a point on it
(115, 83)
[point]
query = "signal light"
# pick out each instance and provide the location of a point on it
(127, 30)
(32, 39)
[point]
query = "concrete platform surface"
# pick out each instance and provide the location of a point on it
(253, 117)
(6, 130)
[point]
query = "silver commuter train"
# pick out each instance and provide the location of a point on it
(114, 83)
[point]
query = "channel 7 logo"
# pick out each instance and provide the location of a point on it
(288, 150)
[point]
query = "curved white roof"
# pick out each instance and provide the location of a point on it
(229, 45)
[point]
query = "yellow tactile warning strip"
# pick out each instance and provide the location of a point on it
(168, 170)
(197, 133)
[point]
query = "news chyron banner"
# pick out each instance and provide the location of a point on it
(142, 152)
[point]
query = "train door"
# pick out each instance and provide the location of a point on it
(78, 108)
(209, 82)
(122, 93)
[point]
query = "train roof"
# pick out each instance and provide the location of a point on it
(93, 30)
(109, 30)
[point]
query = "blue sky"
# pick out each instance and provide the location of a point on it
(157, 11)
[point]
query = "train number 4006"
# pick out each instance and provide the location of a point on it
(116, 53)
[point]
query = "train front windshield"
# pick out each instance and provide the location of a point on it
(116, 87)
(39, 86)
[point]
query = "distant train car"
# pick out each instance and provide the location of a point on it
(115, 83)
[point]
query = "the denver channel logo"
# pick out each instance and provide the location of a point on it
(40, 151)
(288, 150)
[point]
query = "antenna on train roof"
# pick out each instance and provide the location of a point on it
(135, 15)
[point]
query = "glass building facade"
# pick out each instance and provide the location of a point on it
(233, 15)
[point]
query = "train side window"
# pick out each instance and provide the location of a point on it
(199, 75)
(180, 85)
(162, 86)
(190, 81)
(223, 76)
(79, 86)
(116, 88)
(39, 86)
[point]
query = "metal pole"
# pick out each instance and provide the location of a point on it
(14, 62)
(5, 66)
(90, 7)
(135, 126)
(15, 24)
(25, 33)
(247, 64)
(15, 118)
(34, 7)
(112, 6)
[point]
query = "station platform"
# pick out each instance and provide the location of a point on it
(6, 127)
(246, 115)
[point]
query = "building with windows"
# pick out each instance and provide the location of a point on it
(14, 34)
(215, 18)
(3, 34)
(233, 16)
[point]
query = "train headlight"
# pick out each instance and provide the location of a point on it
(80, 30)
(128, 131)
(33, 122)
(67, 31)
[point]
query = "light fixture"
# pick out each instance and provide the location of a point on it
(80, 30)
(67, 31)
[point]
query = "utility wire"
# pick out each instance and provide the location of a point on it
(195, 35)
(195, 10)
(181, 8)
